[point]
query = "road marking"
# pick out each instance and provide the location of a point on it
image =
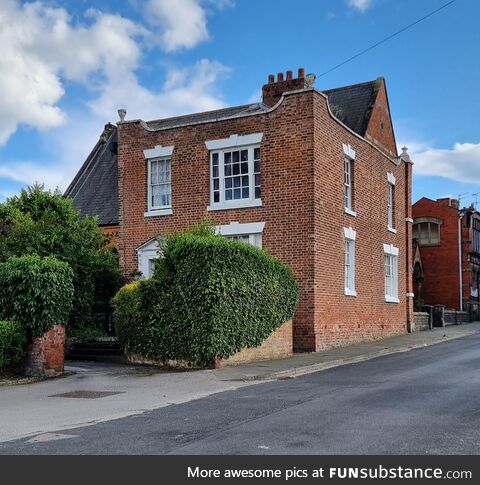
(45, 437)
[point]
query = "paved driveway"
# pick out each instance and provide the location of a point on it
(36, 408)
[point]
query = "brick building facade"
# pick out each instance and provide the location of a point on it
(449, 244)
(313, 176)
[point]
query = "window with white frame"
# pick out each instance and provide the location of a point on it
(160, 184)
(348, 183)
(391, 273)
(391, 202)
(250, 233)
(159, 180)
(235, 179)
(349, 179)
(350, 237)
(147, 253)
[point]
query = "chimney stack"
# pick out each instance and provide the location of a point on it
(273, 90)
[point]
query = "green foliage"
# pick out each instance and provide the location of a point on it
(36, 291)
(210, 297)
(45, 223)
(12, 343)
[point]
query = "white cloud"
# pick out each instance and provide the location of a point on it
(43, 48)
(460, 163)
(360, 5)
(183, 23)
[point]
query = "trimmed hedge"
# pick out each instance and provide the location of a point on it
(210, 297)
(36, 291)
(12, 343)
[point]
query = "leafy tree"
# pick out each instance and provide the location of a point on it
(45, 223)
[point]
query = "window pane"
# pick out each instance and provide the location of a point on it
(245, 193)
(216, 184)
(257, 193)
(216, 197)
(228, 194)
(236, 157)
(244, 155)
(256, 153)
(228, 157)
(215, 172)
(244, 167)
(434, 233)
(214, 158)
(228, 170)
(237, 194)
(236, 181)
(236, 169)
(228, 183)
(256, 166)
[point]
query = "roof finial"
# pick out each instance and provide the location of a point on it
(122, 113)
(405, 156)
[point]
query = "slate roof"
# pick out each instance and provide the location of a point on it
(216, 115)
(94, 189)
(353, 104)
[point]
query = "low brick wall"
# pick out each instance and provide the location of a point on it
(278, 345)
(453, 317)
(46, 354)
(421, 321)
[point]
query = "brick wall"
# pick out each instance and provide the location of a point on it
(45, 354)
(302, 206)
(113, 232)
(440, 262)
(278, 345)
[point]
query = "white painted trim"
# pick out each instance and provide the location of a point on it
(236, 229)
(349, 292)
(390, 249)
(350, 212)
(234, 141)
(349, 151)
(409, 220)
(145, 253)
(158, 212)
(410, 295)
(391, 299)
(237, 204)
(350, 233)
(391, 229)
(391, 178)
(158, 152)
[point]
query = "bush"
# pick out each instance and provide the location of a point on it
(12, 343)
(46, 223)
(210, 297)
(36, 291)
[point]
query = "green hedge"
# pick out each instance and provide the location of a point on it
(12, 343)
(36, 291)
(210, 297)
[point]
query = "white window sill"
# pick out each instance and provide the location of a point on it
(158, 212)
(391, 299)
(350, 212)
(349, 292)
(235, 205)
(391, 229)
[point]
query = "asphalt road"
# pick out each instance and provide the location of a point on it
(426, 401)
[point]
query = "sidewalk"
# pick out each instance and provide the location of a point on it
(300, 364)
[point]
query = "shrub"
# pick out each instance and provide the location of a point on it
(12, 343)
(46, 223)
(210, 297)
(36, 291)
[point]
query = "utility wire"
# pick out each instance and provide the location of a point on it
(387, 38)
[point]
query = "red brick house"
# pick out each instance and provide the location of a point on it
(313, 176)
(448, 239)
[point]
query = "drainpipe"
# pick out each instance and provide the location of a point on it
(460, 273)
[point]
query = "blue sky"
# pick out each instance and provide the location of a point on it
(68, 65)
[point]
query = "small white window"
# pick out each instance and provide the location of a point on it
(147, 254)
(349, 272)
(391, 202)
(253, 239)
(348, 184)
(159, 184)
(391, 273)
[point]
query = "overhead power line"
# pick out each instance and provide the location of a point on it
(398, 32)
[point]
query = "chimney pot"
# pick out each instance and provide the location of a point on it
(271, 78)
(301, 72)
(280, 77)
(289, 74)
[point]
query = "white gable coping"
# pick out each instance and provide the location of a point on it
(158, 151)
(234, 141)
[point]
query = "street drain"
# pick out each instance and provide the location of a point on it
(284, 378)
(86, 394)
